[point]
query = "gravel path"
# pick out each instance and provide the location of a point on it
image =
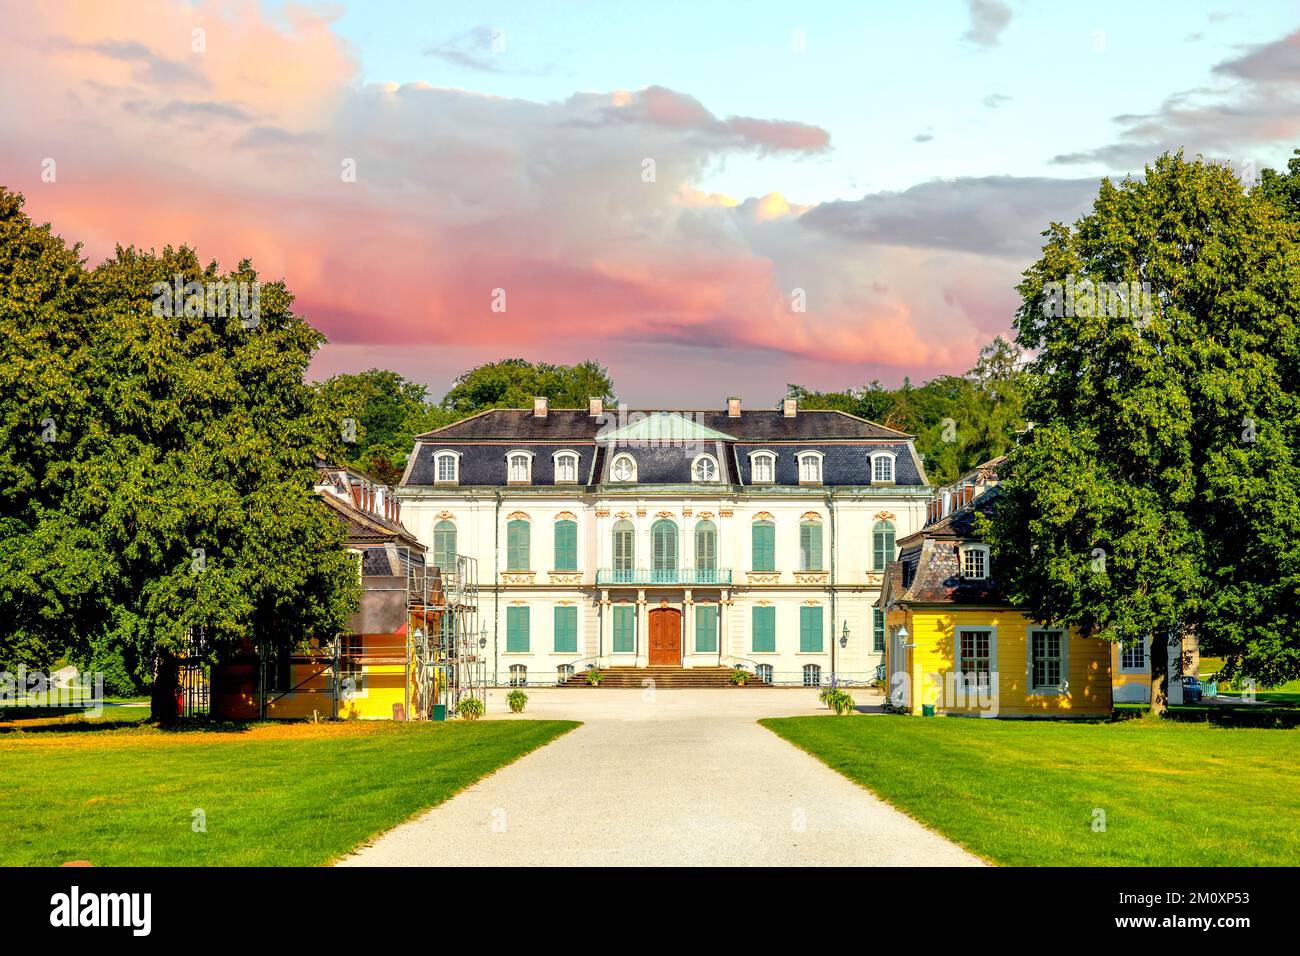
(675, 778)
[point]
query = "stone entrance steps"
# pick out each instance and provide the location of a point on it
(666, 677)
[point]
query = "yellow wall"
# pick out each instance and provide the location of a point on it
(932, 631)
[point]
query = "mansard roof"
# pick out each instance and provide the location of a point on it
(928, 569)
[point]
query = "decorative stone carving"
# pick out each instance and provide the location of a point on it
(725, 513)
(518, 516)
(566, 516)
(602, 512)
(811, 577)
(518, 577)
(565, 577)
(764, 577)
(764, 516)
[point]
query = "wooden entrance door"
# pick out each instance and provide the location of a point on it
(665, 636)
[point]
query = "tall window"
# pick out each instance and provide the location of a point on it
(663, 542)
(566, 630)
(521, 466)
(975, 563)
(763, 469)
(975, 661)
(623, 468)
(444, 546)
(763, 629)
(882, 544)
(810, 545)
(764, 546)
(877, 629)
(810, 630)
(706, 469)
(706, 552)
(624, 628)
(566, 545)
(882, 467)
(445, 464)
(624, 550)
(517, 629)
(1133, 657)
(517, 545)
(810, 467)
(566, 468)
(706, 628)
(1047, 660)
(812, 675)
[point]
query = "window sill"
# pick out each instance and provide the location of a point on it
(1048, 692)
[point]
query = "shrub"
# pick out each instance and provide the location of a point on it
(841, 702)
(739, 677)
(594, 677)
(516, 699)
(471, 708)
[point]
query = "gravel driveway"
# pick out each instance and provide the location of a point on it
(667, 778)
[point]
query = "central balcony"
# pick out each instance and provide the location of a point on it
(664, 577)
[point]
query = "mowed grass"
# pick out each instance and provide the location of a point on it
(1026, 792)
(270, 795)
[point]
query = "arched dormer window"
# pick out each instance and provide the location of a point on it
(975, 561)
(762, 467)
(704, 468)
(566, 467)
(519, 467)
(810, 468)
(446, 467)
(623, 468)
(882, 467)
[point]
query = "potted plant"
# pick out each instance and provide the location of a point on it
(516, 699)
(594, 677)
(739, 677)
(471, 708)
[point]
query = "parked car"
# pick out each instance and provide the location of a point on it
(1191, 690)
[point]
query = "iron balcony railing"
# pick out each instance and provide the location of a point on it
(668, 576)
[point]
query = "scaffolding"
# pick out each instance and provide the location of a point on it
(447, 660)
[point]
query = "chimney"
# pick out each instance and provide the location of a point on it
(540, 404)
(733, 408)
(595, 407)
(790, 407)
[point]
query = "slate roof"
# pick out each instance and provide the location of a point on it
(842, 464)
(928, 569)
(363, 529)
(485, 464)
(668, 464)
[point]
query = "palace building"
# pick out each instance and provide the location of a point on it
(672, 540)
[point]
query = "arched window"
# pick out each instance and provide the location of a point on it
(663, 555)
(810, 545)
(810, 467)
(882, 544)
(623, 468)
(764, 673)
(705, 468)
(624, 551)
(566, 468)
(447, 467)
(520, 467)
(762, 468)
(812, 675)
(764, 546)
(706, 552)
(566, 545)
(882, 467)
(518, 675)
(444, 546)
(518, 534)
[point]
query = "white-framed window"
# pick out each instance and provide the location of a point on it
(1133, 657)
(520, 467)
(882, 467)
(975, 657)
(810, 467)
(975, 562)
(1048, 661)
(563, 672)
(704, 468)
(762, 468)
(764, 673)
(446, 465)
(566, 468)
(812, 675)
(623, 468)
(518, 675)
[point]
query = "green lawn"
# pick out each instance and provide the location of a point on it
(1024, 792)
(272, 795)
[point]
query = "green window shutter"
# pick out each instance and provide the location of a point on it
(810, 546)
(624, 628)
(517, 630)
(764, 539)
(566, 546)
(517, 535)
(878, 629)
(706, 548)
(763, 629)
(566, 630)
(444, 545)
(663, 537)
(810, 630)
(883, 544)
(706, 628)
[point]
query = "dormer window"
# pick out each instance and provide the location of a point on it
(975, 562)
(623, 468)
(882, 468)
(762, 467)
(810, 468)
(446, 465)
(704, 468)
(566, 468)
(520, 467)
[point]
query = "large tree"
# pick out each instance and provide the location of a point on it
(171, 510)
(513, 383)
(1156, 494)
(377, 414)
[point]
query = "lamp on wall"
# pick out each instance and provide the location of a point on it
(844, 635)
(482, 637)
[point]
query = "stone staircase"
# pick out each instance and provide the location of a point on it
(664, 678)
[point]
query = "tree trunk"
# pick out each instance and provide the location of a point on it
(1159, 673)
(166, 684)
